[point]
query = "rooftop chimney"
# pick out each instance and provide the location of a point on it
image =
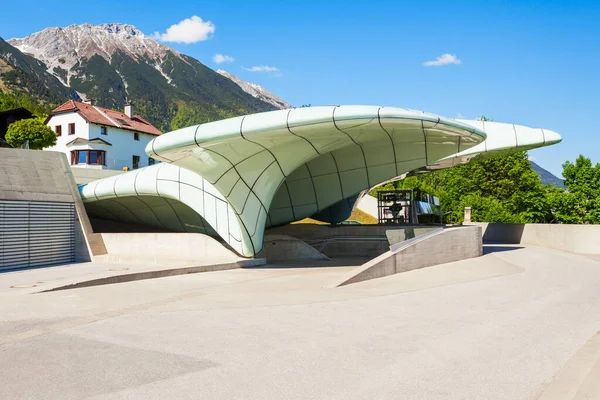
(90, 102)
(129, 110)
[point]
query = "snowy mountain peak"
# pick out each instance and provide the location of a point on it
(116, 28)
(257, 91)
(116, 63)
(62, 48)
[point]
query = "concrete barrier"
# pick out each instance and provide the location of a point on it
(436, 247)
(584, 239)
(313, 231)
(351, 240)
(399, 235)
(351, 246)
(165, 248)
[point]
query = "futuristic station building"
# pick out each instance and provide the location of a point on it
(233, 178)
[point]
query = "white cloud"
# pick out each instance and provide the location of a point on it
(459, 116)
(444, 59)
(261, 68)
(190, 30)
(220, 59)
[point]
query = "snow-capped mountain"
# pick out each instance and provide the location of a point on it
(257, 91)
(116, 63)
(23, 74)
(64, 48)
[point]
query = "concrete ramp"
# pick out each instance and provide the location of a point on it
(436, 247)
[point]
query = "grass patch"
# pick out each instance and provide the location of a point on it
(357, 215)
(362, 217)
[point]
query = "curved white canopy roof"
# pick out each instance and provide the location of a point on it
(241, 174)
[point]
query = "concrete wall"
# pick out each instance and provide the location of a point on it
(33, 175)
(165, 247)
(433, 248)
(352, 246)
(351, 240)
(339, 240)
(312, 231)
(283, 248)
(583, 239)
(395, 236)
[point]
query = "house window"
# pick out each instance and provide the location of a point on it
(90, 157)
(71, 129)
(136, 162)
(101, 156)
(136, 136)
(58, 130)
(103, 130)
(94, 157)
(151, 161)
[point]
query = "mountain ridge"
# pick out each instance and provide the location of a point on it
(63, 48)
(547, 177)
(256, 91)
(116, 63)
(21, 73)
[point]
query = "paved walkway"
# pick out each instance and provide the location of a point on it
(498, 327)
(95, 273)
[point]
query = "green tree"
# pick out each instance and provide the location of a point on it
(580, 202)
(566, 207)
(499, 189)
(487, 209)
(33, 130)
(10, 101)
(503, 186)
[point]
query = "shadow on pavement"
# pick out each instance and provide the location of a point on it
(334, 262)
(487, 249)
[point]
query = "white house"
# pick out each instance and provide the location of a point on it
(96, 137)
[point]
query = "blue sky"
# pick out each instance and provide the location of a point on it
(533, 63)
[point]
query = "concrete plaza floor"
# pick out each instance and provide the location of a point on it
(501, 326)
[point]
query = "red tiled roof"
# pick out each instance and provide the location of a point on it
(105, 116)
